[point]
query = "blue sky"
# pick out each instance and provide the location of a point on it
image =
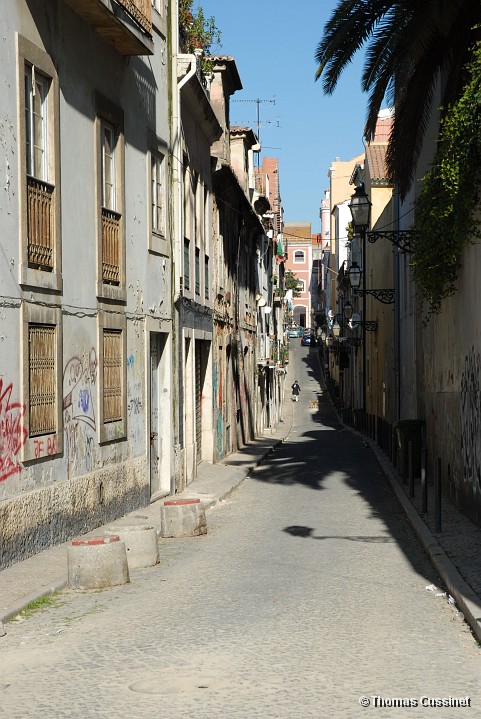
(274, 52)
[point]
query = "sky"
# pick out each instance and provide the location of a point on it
(274, 44)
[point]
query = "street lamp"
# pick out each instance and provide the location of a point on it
(348, 310)
(355, 276)
(360, 207)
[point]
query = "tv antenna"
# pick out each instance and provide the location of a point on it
(259, 102)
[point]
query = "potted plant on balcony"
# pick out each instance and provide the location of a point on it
(196, 30)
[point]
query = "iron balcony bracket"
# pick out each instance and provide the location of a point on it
(399, 238)
(384, 296)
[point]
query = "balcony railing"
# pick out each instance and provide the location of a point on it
(40, 224)
(111, 250)
(141, 11)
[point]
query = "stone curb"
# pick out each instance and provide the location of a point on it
(22, 603)
(466, 599)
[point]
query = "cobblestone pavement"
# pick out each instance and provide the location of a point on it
(308, 592)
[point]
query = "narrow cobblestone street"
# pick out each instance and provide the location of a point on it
(308, 592)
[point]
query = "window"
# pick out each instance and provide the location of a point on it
(299, 256)
(112, 395)
(112, 376)
(39, 192)
(107, 133)
(186, 264)
(158, 193)
(158, 5)
(36, 118)
(301, 286)
(42, 379)
(197, 271)
(111, 242)
(206, 277)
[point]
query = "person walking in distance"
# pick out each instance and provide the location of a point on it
(296, 389)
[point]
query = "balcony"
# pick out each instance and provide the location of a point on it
(125, 24)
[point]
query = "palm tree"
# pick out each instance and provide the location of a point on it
(411, 46)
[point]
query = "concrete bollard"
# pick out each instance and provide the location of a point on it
(140, 544)
(97, 562)
(182, 518)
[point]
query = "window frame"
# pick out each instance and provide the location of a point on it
(159, 242)
(29, 55)
(50, 444)
(297, 260)
(109, 114)
(186, 265)
(110, 431)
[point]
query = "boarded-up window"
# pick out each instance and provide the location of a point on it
(42, 379)
(112, 375)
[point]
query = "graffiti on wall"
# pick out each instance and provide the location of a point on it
(13, 434)
(79, 379)
(471, 418)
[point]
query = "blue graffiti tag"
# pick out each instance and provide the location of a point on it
(84, 399)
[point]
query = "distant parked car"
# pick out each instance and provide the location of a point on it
(295, 331)
(306, 340)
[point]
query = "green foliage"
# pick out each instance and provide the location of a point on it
(197, 30)
(446, 211)
(291, 282)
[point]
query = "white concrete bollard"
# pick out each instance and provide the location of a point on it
(97, 562)
(140, 543)
(183, 518)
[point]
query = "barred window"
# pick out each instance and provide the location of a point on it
(186, 264)
(42, 379)
(197, 271)
(206, 277)
(112, 375)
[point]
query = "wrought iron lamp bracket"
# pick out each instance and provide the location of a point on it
(384, 296)
(399, 238)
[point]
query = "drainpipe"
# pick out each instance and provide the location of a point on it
(177, 218)
(397, 317)
(177, 159)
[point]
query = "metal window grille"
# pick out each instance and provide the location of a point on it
(206, 277)
(197, 271)
(42, 399)
(112, 375)
(186, 264)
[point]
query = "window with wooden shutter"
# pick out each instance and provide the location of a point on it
(42, 379)
(112, 376)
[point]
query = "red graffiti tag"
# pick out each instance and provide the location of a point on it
(13, 434)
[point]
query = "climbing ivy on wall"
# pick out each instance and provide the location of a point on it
(447, 210)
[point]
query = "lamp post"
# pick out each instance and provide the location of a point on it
(360, 207)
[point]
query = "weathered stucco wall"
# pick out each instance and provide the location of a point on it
(35, 520)
(76, 481)
(451, 396)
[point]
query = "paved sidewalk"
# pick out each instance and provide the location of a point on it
(46, 572)
(455, 552)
